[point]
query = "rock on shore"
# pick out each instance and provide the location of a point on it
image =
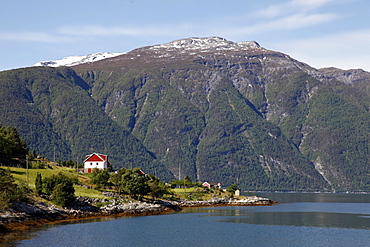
(25, 215)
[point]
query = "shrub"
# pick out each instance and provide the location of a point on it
(63, 193)
(60, 187)
(100, 177)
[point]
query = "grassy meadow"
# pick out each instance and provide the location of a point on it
(20, 176)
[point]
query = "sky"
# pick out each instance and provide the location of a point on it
(321, 33)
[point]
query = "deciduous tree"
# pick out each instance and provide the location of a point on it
(100, 177)
(135, 183)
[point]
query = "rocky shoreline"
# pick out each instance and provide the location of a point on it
(25, 216)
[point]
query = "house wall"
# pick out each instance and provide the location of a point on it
(90, 165)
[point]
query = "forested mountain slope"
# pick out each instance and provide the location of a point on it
(54, 114)
(206, 108)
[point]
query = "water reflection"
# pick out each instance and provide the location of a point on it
(307, 219)
(308, 210)
(317, 197)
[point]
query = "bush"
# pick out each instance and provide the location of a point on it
(100, 177)
(60, 187)
(63, 193)
(157, 188)
(38, 165)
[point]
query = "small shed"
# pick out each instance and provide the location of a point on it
(237, 192)
(95, 161)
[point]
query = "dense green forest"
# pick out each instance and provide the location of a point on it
(58, 118)
(189, 133)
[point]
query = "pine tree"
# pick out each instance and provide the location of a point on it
(38, 183)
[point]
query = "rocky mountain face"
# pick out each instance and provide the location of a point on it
(216, 110)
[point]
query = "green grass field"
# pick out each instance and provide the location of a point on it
(20, 175)
(193, 193)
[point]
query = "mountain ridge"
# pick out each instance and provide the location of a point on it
(241, 114)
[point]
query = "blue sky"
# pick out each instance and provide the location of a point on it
(321, 33)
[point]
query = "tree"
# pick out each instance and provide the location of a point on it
(157, 187)
(11, 145)
(9, 191)
(135, 183)
(63, 193)
(100, 177)
(187, 181)
(232, 188)
(38, 183)
(60, 187)
(117, 179)
(19, 146)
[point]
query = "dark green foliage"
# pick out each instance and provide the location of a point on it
(135, 183)
(157, 188)
(68, 163)
(100, 177)
(60, 187)
(52, 109)
(116, 179)
(341, 140)
(232, 188)
(38, 183)
(63, 193)
(9, 191)
(11, 145)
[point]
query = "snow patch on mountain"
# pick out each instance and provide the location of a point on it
(208, 43)
(76, 60)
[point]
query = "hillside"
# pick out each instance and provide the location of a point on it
(208, 108)
(54, 114)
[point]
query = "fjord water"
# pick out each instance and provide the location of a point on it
(297, 220)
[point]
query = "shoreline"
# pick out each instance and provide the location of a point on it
(29, 216)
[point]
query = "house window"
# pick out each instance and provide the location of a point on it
(97, 163)
(91, 163)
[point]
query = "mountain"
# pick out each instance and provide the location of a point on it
(55, 115)
(76, 60)
(207, 108)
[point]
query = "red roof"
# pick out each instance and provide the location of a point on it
(96, 157)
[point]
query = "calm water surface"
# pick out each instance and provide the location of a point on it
(298, 220)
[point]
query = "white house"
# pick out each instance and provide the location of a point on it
(95, 161)
(212, 185)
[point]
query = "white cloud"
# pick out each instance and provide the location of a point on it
(75, 33)
(291, 22)
(290, 15)
(346, 50)
(33, 37)
(291, 7)
(310, 4)
(98, 30)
